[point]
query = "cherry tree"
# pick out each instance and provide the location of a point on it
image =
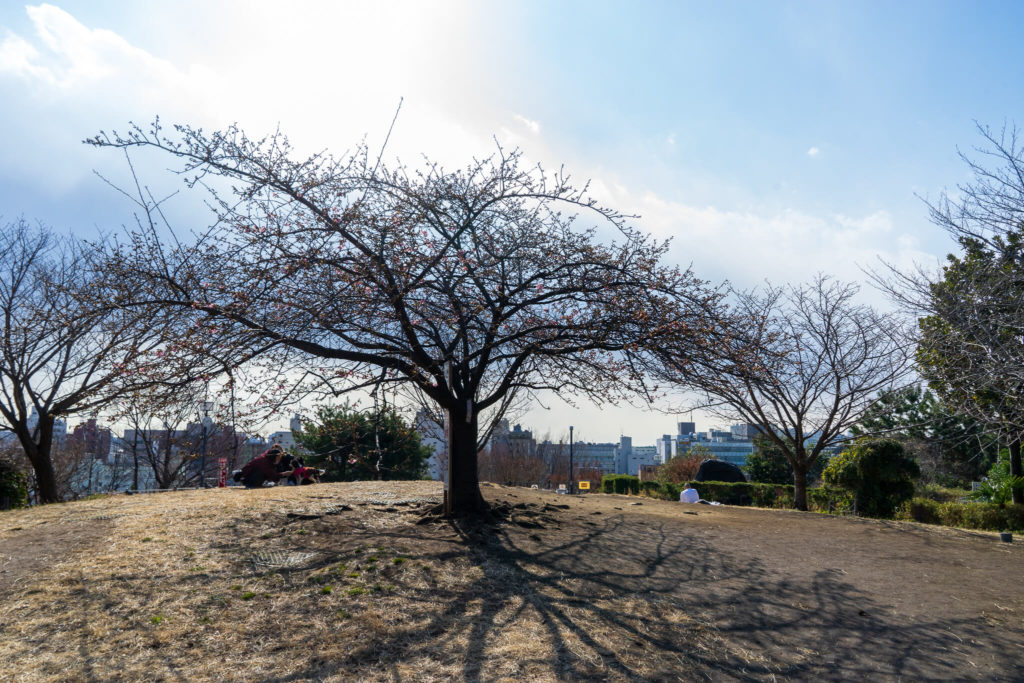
(472, 287)
(65, 349)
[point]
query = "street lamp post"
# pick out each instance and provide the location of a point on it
(571, 488)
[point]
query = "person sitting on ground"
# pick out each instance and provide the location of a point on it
(689, 495)
(263, 469)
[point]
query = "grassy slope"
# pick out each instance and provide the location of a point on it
(198, 586)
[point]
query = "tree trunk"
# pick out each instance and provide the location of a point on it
(800, 486)
(464, 487)
(39, 454)
(1015, 471)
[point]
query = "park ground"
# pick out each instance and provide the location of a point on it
(341, 582)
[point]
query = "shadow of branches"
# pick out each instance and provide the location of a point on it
(630, 601)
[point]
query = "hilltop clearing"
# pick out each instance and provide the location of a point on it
(341, 582)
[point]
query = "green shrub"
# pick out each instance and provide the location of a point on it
(940, 494)
(13, 484)
(923, 510)
(620, 483)
(981, 516)
(830, 499)
(878, 473)
(651, 488)
(998, 485)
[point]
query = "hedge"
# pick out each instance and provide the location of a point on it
(620, 483)
(748, 493)
(982, 516)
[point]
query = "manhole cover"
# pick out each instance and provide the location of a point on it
(87, 518)
(279, 558)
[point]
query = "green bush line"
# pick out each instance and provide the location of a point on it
(980, 516)
(757, 494)
(620, 483)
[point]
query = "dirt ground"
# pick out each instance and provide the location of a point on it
(343, 582)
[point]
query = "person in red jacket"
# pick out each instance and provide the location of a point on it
(263, 468)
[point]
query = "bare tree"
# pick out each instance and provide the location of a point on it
(469, 286)
(803, 363)
(500, 463)
(63, 348)
(168, 434)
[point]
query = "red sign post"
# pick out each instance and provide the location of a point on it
(223, 464)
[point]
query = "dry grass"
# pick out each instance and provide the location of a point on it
(337, 582)
(198, 586)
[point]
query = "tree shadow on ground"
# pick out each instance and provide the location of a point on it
(624, 603)
(585, 597)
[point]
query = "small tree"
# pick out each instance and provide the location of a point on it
(683, 467)
(768, 464)
(999, 484)
(950, 447)
(879, 474)
(352, 444)
(500, 463)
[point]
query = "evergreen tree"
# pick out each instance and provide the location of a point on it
(878, 472)
(357, 445)
(950, 448)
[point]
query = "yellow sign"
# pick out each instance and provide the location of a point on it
(584, 485)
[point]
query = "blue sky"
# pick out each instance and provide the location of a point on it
(767, 139)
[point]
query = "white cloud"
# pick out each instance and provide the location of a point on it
(785, 246)
(73, 57)
(534, 126)
(813, 152)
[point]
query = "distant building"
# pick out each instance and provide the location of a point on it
(734, 452)
(432, 436)
(641, 456)
(648, 472)
(665, 448)
(520, 442)
(285, 438)
(93, 439)
(744, 431)
(597, 456)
